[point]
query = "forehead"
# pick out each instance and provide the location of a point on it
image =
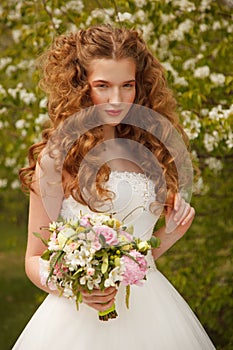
(110, 69)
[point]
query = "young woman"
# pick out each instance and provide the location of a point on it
(111, 70)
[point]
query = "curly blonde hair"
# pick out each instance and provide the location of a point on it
(65, 66)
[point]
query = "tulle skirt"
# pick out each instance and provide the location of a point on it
(157, 318)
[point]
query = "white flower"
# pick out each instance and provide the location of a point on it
(140, 3)
(15, 184)
(126, 16)
(9, 162)
(42, 118)
(192, 125)
(211, 141)
(4, 62)
(74, 6)
(27, 97)
(185, 5)
(214, 164)
(217, 79)
(203, 27)
(147, 30)
(20, 124)
(2, 91)
(68, 292)
(90, 281)
(202, 72)
(114, 276)
(43, 102)
(11, 69)
(3, 183)
(16, 34)
(189, 64)
(229, 141)
(205, 5)
(216, 25)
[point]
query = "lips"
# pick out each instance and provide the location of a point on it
(114, 112)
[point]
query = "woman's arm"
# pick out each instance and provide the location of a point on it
(182, 215)
(39, 218)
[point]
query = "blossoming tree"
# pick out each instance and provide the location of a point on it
(192, 39)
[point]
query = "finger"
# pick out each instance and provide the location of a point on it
(180, 211)
(90, 298)
(99, 292)
(185, 212)
(189, 217)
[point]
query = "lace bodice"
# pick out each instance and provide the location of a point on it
(134, 193)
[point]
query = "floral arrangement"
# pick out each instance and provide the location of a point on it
(94, 251)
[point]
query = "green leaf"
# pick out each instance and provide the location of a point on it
(46, 255)
(102, 240)
(154, 242)
(104, 266)
(38, 235)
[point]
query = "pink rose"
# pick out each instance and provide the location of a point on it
(85, 221)
(109, 234)
(134, 272)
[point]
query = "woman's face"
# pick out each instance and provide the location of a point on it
(112, 85)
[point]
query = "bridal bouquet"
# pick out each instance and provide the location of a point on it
(94, 251)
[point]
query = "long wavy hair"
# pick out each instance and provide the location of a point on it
(65, 66)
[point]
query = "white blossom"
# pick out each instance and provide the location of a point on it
(185, 5)
(15, 184)
(199, 187)
(229, 140)
(16, 35)
(216, 25)
(4, 61)
(147, 30)
(217, 79)
(41, 118)
(3, 109)
(140, 3)
(3, 183)
(203, 27)
(11, 69)
(189, 64)
(9, 162)
(211, 141)
(214, 164)
(192, 125)
(74, 6)
(205, 5)
(20, 124)
(202, 72)
(2, 91)
(167, 17)
(126, 16)
(27, 97)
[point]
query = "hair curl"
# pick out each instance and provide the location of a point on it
(65, 66)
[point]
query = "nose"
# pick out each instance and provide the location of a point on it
(115, 95)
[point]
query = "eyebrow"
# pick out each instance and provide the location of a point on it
(105, 81)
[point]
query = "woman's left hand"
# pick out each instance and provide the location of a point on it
(179, 216)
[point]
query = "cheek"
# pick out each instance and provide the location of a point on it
(98, 98)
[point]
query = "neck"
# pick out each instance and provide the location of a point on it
(109, 132)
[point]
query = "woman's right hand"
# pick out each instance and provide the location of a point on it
(98, 299)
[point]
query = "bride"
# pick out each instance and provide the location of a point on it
(114, 144)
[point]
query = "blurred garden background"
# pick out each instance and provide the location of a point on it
(193, 40)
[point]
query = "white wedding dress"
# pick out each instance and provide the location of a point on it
(158, 317)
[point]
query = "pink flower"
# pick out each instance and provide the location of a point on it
(126, 235)
(109, 234)
(134, 272)
(85, 221)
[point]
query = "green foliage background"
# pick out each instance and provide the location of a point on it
(193, 39)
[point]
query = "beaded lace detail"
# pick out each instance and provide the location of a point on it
(134, 194)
